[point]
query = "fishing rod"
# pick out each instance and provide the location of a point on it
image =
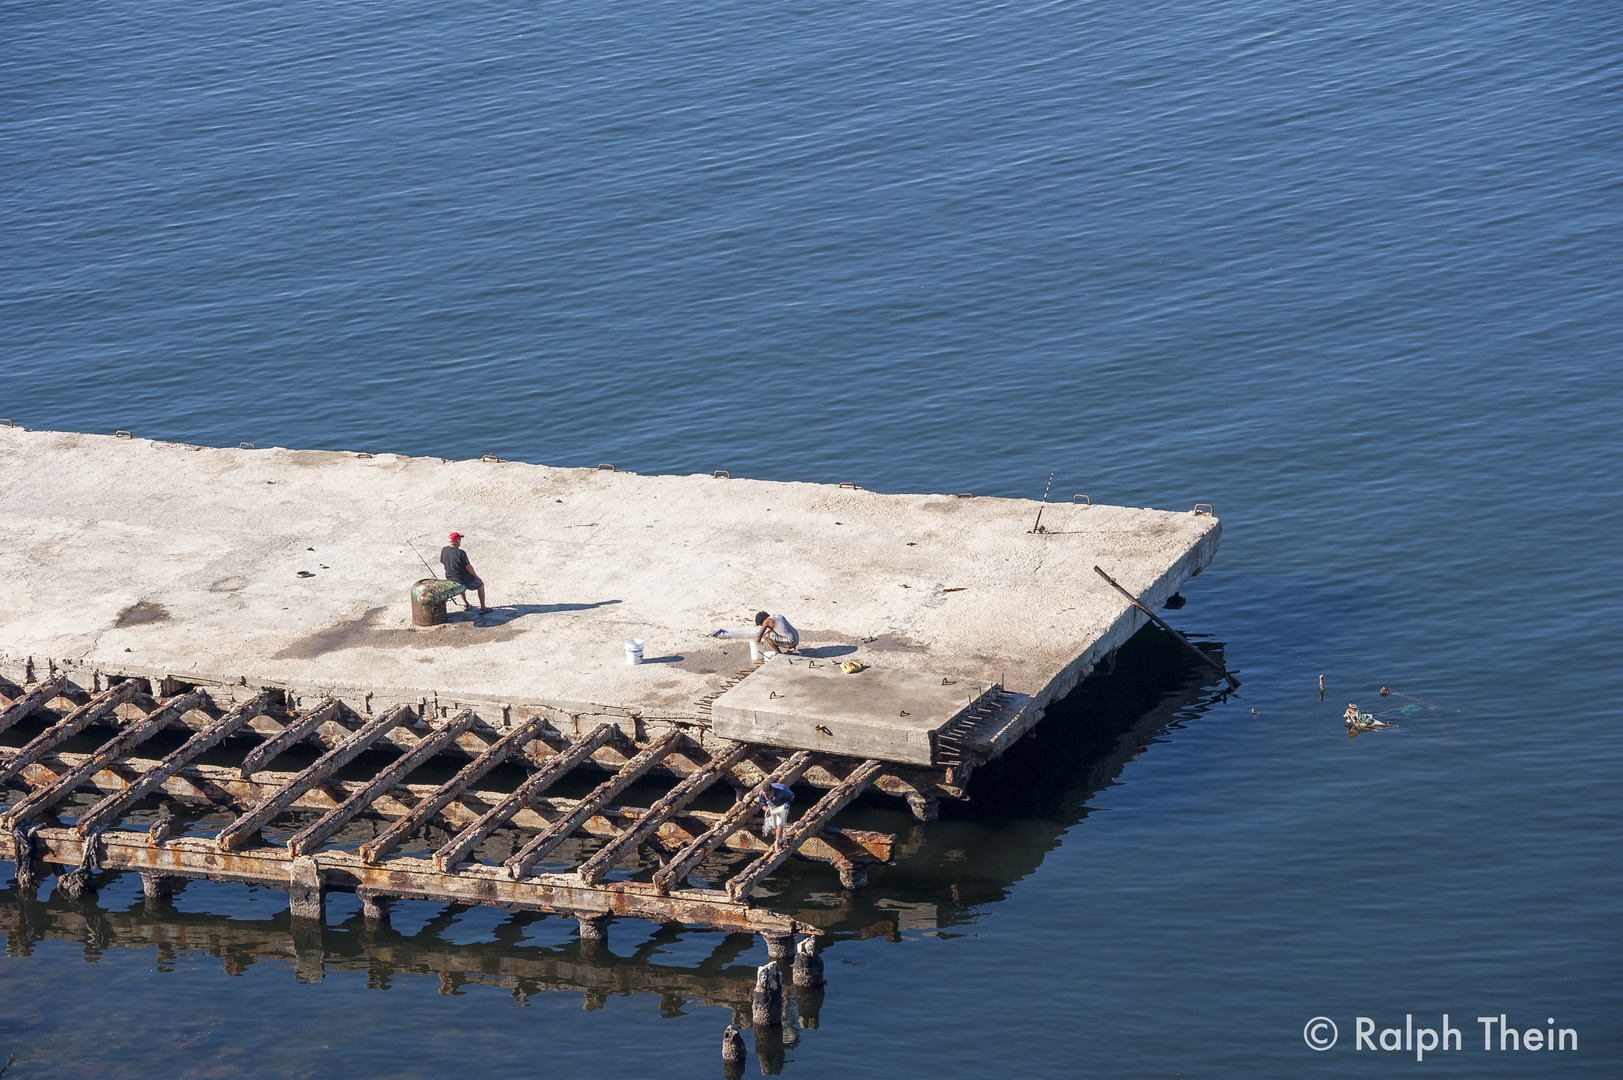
(422, 560)
(1044, 506)
(1234, 684)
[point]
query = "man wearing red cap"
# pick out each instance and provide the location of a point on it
(460, 570)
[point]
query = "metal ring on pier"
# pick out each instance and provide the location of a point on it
(6, 422)
(1209, 511)
(721, 474)
(606, 465)
(246, 446)
(965, 495)
(491, 458)
(850, 485)
(1080, 496)
(122, 435)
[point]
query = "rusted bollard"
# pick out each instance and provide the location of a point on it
(808, 969)
(428, 597)
(732, 1053)
(766, 1003)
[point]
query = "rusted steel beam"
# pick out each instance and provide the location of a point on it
(70, 725)
(537, 782)
(741, 885)
(118, 803)
(241, 831)
(538, 848)
(294, 730)
(430, 806)
(32, 700)
(697, 782)
(417, 879)
(221, 786)
(677, 870)
(109, 752)
(316, 834)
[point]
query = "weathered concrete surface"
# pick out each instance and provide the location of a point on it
(874, 713)
(128, 556)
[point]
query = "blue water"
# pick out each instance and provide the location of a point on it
(1349, 272)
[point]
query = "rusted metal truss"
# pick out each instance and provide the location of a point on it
(555, 854)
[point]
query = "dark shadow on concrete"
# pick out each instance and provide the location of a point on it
(823, 651)
(502, 614)
(672, 659)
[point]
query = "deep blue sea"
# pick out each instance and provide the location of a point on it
(1350, 272)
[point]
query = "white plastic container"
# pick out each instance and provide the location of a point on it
(634, 650)
(755, 650)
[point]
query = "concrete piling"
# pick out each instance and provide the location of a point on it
(853, 875)
(779, 947)
(157, 886)
(766, 1003)
(306, 899)
(808, 969)
(594, 931)
(375, 910)
(732, 1053)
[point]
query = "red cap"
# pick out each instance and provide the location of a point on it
(456, 536)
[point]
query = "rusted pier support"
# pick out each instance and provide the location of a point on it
(306, 899)
(779, 947)
(853, 875)
(732, 1053)
(157, 886)
(594, 931)
(924, 807)
(808, 969)
(766, 1004)
(374, 908)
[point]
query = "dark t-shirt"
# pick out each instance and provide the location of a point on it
(455, 561)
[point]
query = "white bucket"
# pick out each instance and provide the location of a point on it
(755, 650)
(634, 650)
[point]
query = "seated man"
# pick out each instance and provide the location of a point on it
(774, 630)
(460, 570)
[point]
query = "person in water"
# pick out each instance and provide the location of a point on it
(774, 630)
(460, 570)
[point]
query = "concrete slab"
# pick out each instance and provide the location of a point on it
(138, 557)
(874, 713)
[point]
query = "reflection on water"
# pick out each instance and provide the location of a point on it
(947, 873)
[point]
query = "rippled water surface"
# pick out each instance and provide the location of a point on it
(1348, 272)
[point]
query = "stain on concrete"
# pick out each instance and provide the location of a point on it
(229, 584)
(364, 633)
(143, 612)
(895, 643)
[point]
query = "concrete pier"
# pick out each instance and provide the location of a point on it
(167, 561)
